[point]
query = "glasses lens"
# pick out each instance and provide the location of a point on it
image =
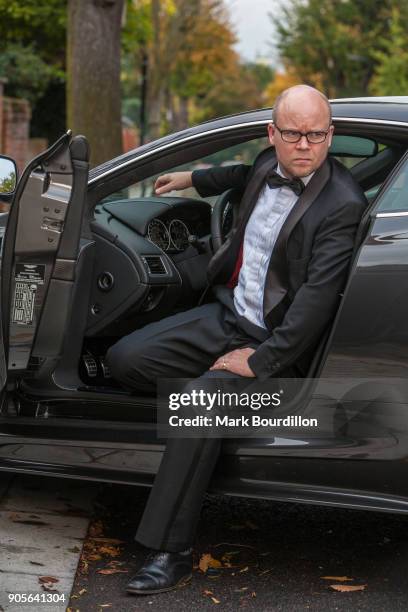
(316, 137)
(291, 136)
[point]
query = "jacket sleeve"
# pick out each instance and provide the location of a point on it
(316, 301)
(214, 181)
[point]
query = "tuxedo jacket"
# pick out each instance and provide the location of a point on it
(309, 263)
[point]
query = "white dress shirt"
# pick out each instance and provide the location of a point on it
(261, 233)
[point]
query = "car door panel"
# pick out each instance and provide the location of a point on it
(40, 253)
(367, 352)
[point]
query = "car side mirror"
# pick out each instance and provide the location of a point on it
(8, 176)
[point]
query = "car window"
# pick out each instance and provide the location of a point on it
(243, 153)
(395, 196)
(349, 150)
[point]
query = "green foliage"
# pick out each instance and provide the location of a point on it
(138, 29)
(8, 184)
(391, 72)
(330, 44)
(28, 76)
(32, 59)
(40, 23)
(236, 92)
(262, 73)
(193, 69)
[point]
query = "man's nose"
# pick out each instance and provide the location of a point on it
(303, 143)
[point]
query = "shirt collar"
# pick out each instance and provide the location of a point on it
(304, 179)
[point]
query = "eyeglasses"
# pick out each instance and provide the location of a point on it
(311, 137)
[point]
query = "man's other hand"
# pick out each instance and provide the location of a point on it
(173, 182)
(236, 362)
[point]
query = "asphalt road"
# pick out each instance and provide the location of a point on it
(279, 556)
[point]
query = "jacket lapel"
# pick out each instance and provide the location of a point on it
(276, 283)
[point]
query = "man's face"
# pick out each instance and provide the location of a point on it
(301, 158)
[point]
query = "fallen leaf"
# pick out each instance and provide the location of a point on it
(93, 557)
(112, 551)
(253, 594)
(244, 569)
(109, 571)
(208, 593)
(346, 588)
(45, 579)
(49, 586)
(108, 540)
(241, 590)
(82, 591)
(216, 601)
(207, 561)
(338, 578)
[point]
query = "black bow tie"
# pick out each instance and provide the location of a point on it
(275, 181)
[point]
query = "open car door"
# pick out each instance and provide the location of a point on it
(39, 258)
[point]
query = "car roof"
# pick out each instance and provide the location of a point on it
(383, 109)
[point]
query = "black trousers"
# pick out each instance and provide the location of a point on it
(181, 346)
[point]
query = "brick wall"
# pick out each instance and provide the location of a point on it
(15, 132)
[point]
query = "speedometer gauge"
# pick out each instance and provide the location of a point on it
(179, 234)
(158, 233)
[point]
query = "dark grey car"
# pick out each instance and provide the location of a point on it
(88, 258)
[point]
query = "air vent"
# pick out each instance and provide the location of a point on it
(154, 264)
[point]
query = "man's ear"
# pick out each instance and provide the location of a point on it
(330, 134)
(271, 133)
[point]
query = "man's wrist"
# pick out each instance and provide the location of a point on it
(261, 364)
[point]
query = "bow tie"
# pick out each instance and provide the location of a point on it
(275, 181)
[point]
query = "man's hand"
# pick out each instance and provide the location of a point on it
(173, 182)
(236, 362)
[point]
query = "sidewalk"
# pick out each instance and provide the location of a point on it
(43, 522)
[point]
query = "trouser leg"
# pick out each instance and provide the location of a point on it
(182, 346)
(173, 509)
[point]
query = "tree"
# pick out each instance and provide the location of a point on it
(32, 58)
(391, 72)
(282, 81)
(193, 71)
(330, 43)
(93, 74)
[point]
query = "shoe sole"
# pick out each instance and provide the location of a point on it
(180, 583)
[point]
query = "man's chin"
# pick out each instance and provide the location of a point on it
(301, 169)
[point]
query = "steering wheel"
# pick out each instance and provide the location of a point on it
(218, 216)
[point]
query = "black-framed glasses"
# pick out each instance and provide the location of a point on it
(311, 137)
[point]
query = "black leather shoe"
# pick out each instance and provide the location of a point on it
(162, 571)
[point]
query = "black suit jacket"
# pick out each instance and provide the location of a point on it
(308, 267)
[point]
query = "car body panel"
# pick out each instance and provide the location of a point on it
(357, 460)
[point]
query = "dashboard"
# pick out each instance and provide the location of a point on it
(173, 235)
(151, 254)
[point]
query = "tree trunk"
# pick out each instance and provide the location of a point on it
(93, 74)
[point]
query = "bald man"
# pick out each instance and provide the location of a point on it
(276, 282)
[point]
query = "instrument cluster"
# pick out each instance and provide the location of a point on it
(168, 236)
